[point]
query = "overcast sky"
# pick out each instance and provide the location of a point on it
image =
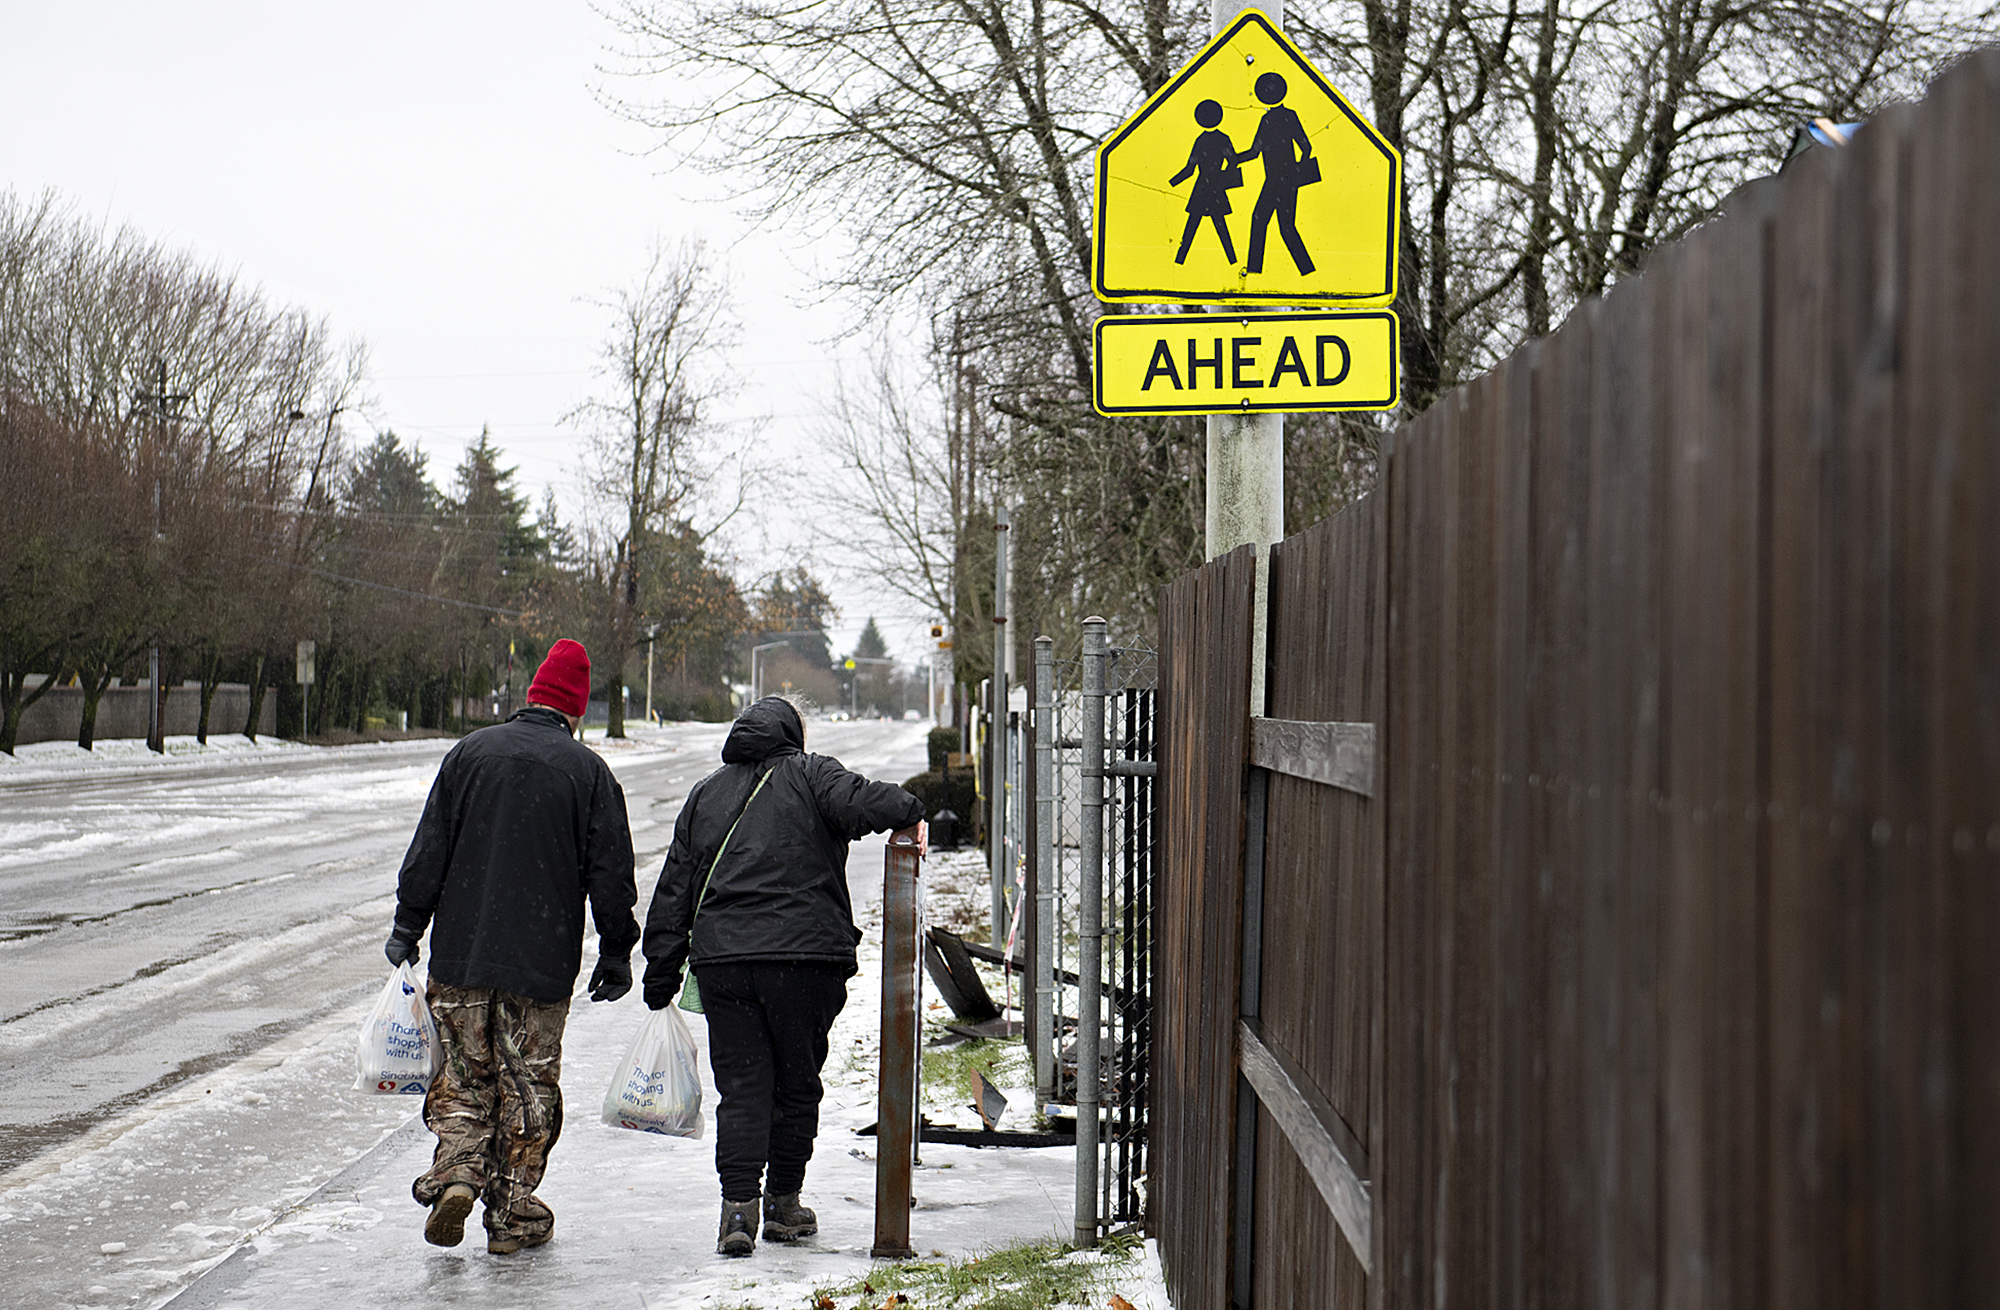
(441, 180)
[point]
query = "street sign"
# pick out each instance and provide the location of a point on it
(1244, 363)
(1247, 179)
(305, 660)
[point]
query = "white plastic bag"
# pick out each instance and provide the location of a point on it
(399, 1042)
(658, 1087)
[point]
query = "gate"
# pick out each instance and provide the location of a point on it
(1092, 835)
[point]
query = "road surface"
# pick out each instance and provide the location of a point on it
(160, 923)
(185, 951)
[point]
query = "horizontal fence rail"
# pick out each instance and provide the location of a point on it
(1342, 754)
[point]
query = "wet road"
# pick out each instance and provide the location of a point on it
(156, 924)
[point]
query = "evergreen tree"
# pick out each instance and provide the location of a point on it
(389, 478)
(795, 605)
(493, 511)
(869, 645)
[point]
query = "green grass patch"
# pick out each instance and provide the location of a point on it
(948, 1069)
(1031, 1276)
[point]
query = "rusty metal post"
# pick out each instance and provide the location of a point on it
(896, 1087)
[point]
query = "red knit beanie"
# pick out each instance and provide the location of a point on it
(563, 681)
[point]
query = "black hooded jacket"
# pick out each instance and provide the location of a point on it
(523, 824)
(780, 890)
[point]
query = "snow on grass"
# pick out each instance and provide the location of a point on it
(43, 761)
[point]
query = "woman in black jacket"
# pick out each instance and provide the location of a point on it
(769, 931)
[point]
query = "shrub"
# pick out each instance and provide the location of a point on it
(949, 789)
(942, 742)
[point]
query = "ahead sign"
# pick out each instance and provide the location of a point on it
(1206, 363)
(1248, 120)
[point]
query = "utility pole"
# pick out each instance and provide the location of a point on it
(165, 403)
(756, 684)
(939, 646)
(652, 637)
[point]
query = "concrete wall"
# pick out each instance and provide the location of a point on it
(122, 712)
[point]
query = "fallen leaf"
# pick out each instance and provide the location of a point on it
(1119, 1303)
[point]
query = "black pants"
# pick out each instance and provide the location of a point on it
(767, 1027)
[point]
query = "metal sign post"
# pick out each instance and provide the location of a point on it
(896, 1087)
(156, 704)
(999, 866)
(1090, 932)
(307, 676)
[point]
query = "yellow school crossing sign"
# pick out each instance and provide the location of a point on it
(1247, 179)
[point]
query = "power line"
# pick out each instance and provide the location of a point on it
(418, 595)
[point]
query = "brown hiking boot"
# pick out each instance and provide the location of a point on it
(738, 1232)
(508, 1243)
(446, 1225)
(785, 1220)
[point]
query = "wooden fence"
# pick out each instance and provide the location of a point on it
(1605, 910)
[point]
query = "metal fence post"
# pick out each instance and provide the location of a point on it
(997, 833)
(1045, 871)
(896, 1085)
(1089, 932)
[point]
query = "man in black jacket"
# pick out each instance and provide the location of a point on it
(523, 825)
(769, 932)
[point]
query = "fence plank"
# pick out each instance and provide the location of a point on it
(1519, 1062)
(1205, 707)
(1802, 907)
(1321, 925)
(1713, 911)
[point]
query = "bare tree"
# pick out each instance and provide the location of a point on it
(897, 509)
(650, 432)
(178, 395)
(1547, 148)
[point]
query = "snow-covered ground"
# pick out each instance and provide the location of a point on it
(267, 1180)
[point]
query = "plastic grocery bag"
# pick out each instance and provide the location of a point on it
(399, 1042)
(658, 1087)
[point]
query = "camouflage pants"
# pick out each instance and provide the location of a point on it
(495, 1106)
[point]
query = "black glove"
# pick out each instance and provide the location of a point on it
(611, 979)
(659, 995)
(402, 946)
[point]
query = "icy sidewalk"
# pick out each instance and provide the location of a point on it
(635, 1213)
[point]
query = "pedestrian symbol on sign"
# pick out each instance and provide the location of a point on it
(1277, 132)
(1266, 121)
(1213, 166)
